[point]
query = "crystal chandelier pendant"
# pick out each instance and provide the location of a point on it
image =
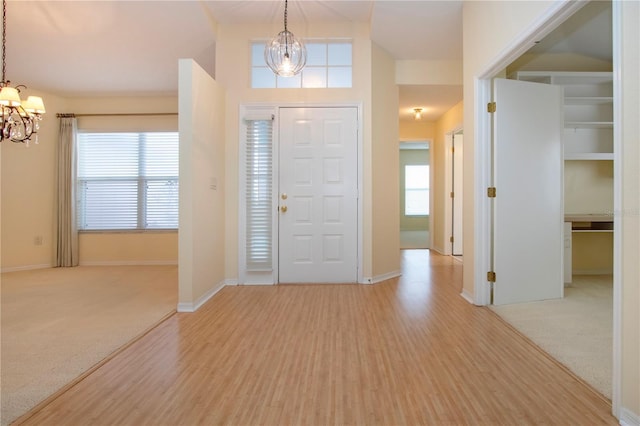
(285, 54)
(19, 117)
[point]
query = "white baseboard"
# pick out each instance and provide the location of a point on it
(629, 418)
(130, 263)
(192, 307)
(230, 281)
(466, 296)
(26, 268)
(380, 278)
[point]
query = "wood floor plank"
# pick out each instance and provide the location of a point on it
(405, 351)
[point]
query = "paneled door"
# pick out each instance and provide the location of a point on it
(528, 204)
(318, 195)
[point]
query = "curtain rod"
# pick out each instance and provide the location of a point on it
(134, 114)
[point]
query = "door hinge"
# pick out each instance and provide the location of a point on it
(453, 149)
(451, 239)
(491, 277)
(491, 107)
(491, 192)
(451, 194)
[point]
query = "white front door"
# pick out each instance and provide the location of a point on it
(528, 207)
(318, 195)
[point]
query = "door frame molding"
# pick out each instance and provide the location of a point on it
(449, 136)
(555, 15)
(274, 107)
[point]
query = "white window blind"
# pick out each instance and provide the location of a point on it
(259, 195)
(127, 181)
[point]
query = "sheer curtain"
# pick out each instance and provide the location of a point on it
(67, 247)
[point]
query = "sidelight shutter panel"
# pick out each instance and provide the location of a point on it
(259, 195)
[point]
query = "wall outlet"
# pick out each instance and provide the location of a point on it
(37, 240)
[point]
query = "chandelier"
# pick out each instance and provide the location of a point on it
(20, 119)
(285, 55)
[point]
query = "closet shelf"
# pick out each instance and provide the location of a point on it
(588, 124)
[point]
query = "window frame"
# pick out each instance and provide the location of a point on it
(280, 82)
(408, 189)
(142, 204)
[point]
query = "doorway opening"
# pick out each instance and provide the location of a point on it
(300, 209)
(415, 195)
(560, 16)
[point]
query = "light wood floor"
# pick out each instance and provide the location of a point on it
(406, 351)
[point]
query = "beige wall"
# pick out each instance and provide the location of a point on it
(28, 185)
(507, 21)
(28, 199)
(449, 122)
(149, 247)
(385, 165)
(202, 186)
(233, 42)
(417, 130)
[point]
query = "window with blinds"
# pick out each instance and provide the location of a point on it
(127, 181)
(259, 194)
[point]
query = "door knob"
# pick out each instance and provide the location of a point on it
(283, 209)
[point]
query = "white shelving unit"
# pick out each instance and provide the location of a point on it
(588, 111)
(588, 136)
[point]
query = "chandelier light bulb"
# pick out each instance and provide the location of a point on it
(19, 120)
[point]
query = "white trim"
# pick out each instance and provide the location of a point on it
(192, 307)
(448, 188)
(629, 418)
(230, 282)
(482, 180)
(616, 382)
(438, 250)
(547, 22)
(379, 278)
(129, 263)
(467, 296)
(26, 268)
(275, 108)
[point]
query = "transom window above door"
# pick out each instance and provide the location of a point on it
(329, 65)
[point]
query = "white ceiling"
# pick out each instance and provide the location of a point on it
(117, 47)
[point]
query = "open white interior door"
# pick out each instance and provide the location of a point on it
(528, 206)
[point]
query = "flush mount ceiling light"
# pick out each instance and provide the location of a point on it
(19, 119)
(285, 55)
(417, 113)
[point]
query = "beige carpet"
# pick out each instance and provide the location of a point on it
(576, 330)
(58, 323)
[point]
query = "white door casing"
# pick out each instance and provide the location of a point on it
(456, 160)
(318, 195)
(528, 176)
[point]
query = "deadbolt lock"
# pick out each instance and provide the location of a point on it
(284, 196)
